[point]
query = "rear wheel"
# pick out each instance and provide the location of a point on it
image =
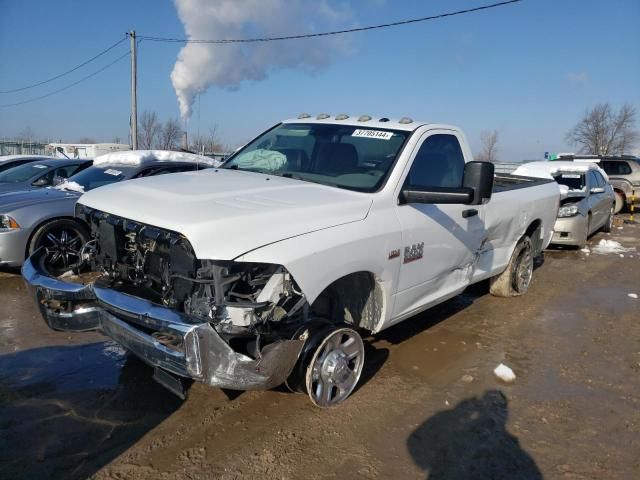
(619, 202)
(62, 240)
(515, 280)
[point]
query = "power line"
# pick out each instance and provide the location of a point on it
(68, 86)
(68, 71)
(325, 34)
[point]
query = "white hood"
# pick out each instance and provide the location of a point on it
(226, 213)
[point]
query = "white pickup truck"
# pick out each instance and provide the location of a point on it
(263, 271)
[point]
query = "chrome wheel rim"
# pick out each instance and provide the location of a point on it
(62, 246)
(524, 271)
(335, 368)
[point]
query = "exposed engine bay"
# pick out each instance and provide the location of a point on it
(248, 304)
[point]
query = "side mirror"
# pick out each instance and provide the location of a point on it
(479, 176)
(477, 187)
(41, 182)
(597, 190)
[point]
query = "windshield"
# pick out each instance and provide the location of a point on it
(354, 158)
(22, 173)
(575, 181)
(94, 177)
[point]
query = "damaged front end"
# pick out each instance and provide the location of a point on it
(227, 324)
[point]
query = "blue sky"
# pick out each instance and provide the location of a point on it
(528, 70)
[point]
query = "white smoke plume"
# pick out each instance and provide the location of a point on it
(200, 66)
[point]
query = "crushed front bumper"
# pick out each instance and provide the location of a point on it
(196, 350)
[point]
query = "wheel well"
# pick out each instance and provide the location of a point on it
(356, 299)
(536, 239)
(37, 227)
(621, 193)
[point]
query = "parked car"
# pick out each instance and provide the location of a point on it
(588, 204)
(43, 218)
(623, 172)
(43, 173)
(263, 271)
(10, 161)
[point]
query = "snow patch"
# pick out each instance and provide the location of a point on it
(611, 246)
(113, 350)
(70, 185)
(139, 157)
(504, 373)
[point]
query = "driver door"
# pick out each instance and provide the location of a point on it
(440, 241)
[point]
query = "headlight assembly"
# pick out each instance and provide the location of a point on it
(7, 223)
(568, 211)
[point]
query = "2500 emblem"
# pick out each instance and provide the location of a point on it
(414, 252)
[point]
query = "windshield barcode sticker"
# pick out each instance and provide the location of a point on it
(379, 134)
(115, 173)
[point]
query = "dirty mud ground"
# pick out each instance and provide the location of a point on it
(428, 406)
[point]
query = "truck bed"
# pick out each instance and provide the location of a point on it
(505, 181)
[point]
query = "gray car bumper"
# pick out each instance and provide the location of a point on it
(570, 231)
(196, 350)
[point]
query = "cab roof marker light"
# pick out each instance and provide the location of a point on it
(304, 115)
(323, 116)
(342, 116)
(383, 119)
(364, 118)
(405, 120)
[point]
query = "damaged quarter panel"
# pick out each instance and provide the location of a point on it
(355, 247)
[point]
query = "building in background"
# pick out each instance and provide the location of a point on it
(15, 147)
(83, 150)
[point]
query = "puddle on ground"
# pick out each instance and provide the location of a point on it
(439, 357)
(84, 404)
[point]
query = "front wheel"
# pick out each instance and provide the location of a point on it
(62, 240)
(334, 367)
(515, 280)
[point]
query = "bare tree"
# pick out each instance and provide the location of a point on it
(86, 140)
(149, 130)
(489, 152)
(27, 135)
(207, 143)
(604, 132)
(170, 136)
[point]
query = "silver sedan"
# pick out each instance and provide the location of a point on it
(587, 203)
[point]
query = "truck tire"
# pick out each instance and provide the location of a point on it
(329, 366)
(619, 202)
(515, 280)
(64, 239)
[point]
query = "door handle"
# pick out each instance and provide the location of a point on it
(471, 212)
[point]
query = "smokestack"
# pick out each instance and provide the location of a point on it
(185, 141)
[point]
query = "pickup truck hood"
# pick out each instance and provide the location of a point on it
(24, 198)
(226, 213)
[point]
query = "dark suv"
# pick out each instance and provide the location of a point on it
(623, 172)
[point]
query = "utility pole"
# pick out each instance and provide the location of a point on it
(134, 92)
